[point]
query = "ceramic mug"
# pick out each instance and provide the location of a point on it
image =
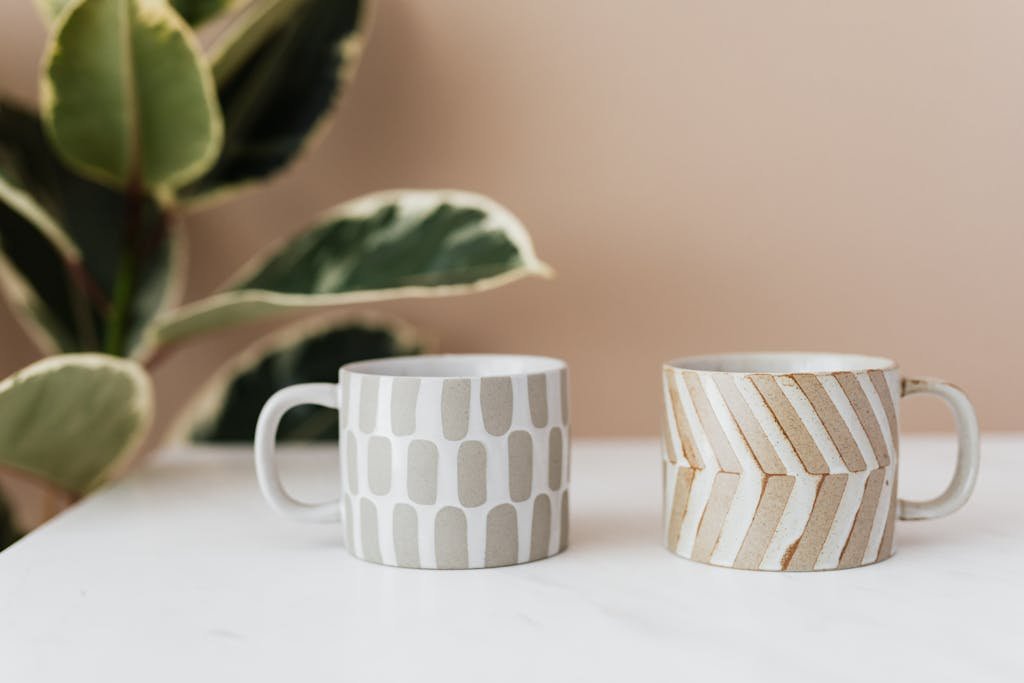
(447, 461)
(789, 461)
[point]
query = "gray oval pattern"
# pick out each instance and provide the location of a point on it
(497, 404)
(455, 473)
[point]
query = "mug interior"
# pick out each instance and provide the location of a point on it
(783, 363)
(455, 366)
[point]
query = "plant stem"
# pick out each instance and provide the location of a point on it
(124, 285)
(82, 312)
(127, 270)
(84, 281)
(159, 356)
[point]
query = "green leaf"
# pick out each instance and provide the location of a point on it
(50, 9)
(71, 419)
(196, 12)
(8, 530)
(387, 245)
(35, 275)
(60, 236)
(226, 409)
(127, 96)
(279, 70)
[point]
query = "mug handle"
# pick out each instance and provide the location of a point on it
(968, 454)
(318, 393)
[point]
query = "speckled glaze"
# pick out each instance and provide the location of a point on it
(789, 462)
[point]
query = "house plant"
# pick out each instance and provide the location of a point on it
(136, 126)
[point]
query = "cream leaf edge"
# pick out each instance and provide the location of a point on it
(20, 295)
(498, 218)
(351, 48)
(210, 395)
(155, 10)
(142, 403)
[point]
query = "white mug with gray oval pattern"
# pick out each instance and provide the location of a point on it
(447, 461)
(789, 461)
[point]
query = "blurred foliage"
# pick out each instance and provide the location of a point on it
(136, 125)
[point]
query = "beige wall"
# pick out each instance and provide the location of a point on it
(704, 176)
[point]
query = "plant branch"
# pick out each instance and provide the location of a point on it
(82, 313)
(84, 280)
(152, 241)
(159, 356)
(127, 271)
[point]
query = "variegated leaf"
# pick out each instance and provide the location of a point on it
(60, 237)
(8, 530)
(227, 407)
(197, 12)
(127, 96)
(279, 69)
(387, 245)
(70, 419)
(194, 12)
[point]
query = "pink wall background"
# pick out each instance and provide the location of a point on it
(704, 176)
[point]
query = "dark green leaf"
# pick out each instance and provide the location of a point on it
(37, 282)
(8, 531)
(74, 243)
(387, 245)
(278, 72)
(305, 354)
(196, 12)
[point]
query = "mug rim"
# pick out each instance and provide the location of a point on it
(490, 364)
(775, 363)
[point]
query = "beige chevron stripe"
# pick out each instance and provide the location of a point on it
(737, 485)
(857, 541)
(700, 494)
(668, 486)
(834, 424)
(774, 496)
(720, 446)
(769, 425)
(680, 498)
(757, 441)
(790, 424)
(682, 425)
(885, 549)
(865, 414)
(877, 378)
(791, 524)
(846, 515)
(842, 403)
(720, 410)
(667, 445)
(713, 517)
(805, 411)
(881, 517)
(739, 518)
(803, 554)
(878, 411)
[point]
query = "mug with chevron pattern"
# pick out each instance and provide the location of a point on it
(789, 461)
(447, 461)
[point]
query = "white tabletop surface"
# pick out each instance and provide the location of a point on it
(181, 573)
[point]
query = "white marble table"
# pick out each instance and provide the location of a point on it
(180, 573)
